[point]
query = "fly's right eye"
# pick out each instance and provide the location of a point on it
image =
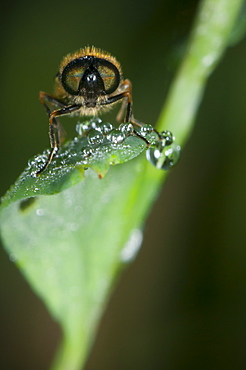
(72, 74)
(109, 74)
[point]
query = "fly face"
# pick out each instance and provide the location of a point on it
(90, 79)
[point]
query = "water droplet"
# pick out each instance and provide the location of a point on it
(126, 128)
(167, 138)
(13, 257)
(132, 246)
(86, 152)
(116, 136)
(146, 129)
(63, 161)
(94, 137)
(30, 162)
(103, 127)
(164, 157)
(82, 128)
(153, 138)
(95, 121)
(40, 212)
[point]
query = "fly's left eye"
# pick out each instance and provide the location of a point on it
(72, 74)
(109, 74)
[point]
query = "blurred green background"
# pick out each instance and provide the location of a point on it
(181, 304)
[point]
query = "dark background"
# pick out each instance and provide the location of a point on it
(181, 304)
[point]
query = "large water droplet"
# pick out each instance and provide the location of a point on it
(116, 136)
(164, 156)
(94, 137)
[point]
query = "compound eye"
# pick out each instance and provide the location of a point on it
(109, 74)
(72, 74)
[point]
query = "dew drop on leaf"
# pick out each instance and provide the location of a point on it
(126, 128)
(116, 136)
(94, 137)
(103, 127)
(165, 153)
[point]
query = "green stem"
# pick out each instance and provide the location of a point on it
(208, 42)
(71, 354)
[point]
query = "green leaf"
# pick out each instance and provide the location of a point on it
(72, 245)
(92, 149)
